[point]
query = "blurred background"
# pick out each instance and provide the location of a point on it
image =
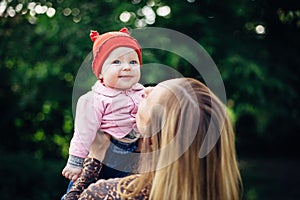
(254, 43)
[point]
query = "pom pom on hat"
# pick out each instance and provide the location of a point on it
(125, 30)
(94, 35)
(104, 44)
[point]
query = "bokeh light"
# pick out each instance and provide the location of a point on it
(67, 11)
(163, 11)
(19, 7)
(40, 9)
(3, 6)
(125, 16)
(50, 12)
(140, 23)
(149, 15)
(260, 29)
(11, 12)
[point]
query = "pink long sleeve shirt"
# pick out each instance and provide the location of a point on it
(111, 111)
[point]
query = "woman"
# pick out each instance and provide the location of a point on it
(188, 150)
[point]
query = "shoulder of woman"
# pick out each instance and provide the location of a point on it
(108, 189)
(102, 189)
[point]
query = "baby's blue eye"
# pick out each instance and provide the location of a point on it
(133, 62)
(117, 62)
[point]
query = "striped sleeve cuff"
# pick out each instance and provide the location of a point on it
(75, 161)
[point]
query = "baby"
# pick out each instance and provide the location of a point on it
(109, 107)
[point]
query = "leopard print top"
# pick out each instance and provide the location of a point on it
(107, 190)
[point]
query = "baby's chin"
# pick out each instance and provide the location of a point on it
(125, 86)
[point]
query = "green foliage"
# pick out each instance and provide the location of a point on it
(29, 178)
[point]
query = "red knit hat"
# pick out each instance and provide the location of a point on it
(104, 44)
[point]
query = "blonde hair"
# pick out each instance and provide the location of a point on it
(180, 172)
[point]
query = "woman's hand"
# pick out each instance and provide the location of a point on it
(99, 146)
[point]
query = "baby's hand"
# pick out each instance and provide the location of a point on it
(71, 173)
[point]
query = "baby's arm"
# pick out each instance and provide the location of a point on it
(86, 126)
(98, 150)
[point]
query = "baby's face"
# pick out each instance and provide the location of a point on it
(121, 69)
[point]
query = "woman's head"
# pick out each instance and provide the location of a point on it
(179, 105)
(189, 150)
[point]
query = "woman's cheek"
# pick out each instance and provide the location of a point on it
(142, 121)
